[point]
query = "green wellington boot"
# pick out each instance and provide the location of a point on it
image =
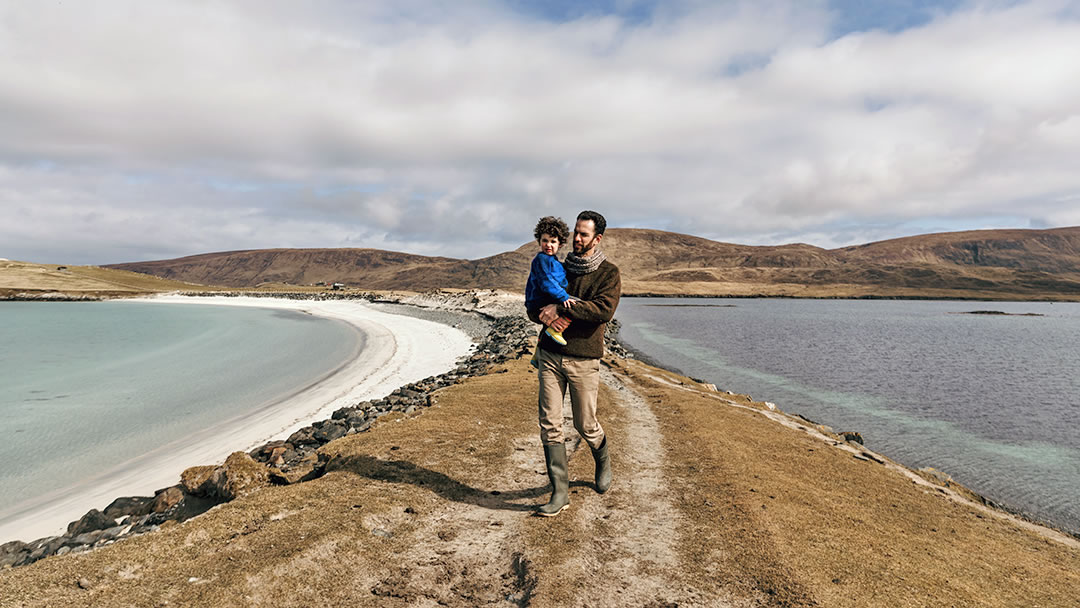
(603, 467)
(555, 457)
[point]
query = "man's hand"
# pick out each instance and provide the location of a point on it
(548, 314)
(560, 324)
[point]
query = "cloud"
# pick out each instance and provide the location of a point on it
(136, 130)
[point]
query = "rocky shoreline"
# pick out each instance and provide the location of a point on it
(496, 321)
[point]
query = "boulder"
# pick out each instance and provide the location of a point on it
(277, 456)
(194, 478)
(86, 538)
(343, 413)
(305, 436)
(11, 552)
(93, 520)
(113, 533)
(167, 499)
(331, 430)
(41, 548)
(308, 467)
(263, 453)
(240, 475)
(129, 505)
(852, 436)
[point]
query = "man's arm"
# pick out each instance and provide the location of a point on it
(601, 308)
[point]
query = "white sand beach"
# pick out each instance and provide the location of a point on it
(397, 350)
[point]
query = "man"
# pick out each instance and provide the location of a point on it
(596, 283)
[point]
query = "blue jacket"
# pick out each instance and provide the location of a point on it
(547, 282)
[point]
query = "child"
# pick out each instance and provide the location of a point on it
(547, 279)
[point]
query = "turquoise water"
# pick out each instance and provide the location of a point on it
(89, 385)
(994, 401)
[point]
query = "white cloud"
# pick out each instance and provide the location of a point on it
(738, 121)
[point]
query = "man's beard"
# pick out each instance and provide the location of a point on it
(584, 247)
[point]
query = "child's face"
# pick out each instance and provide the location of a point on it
(549, 244)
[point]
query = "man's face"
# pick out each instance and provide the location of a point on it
(585, 237)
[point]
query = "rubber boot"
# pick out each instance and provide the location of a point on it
(603, 467)
(555, 457)
(555, 335)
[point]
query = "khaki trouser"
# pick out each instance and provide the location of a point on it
(582, 376)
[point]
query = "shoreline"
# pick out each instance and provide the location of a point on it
(396, 350)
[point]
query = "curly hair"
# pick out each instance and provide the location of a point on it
(552, 226)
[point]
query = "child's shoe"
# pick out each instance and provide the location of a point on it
(555, 335)
(535, 361)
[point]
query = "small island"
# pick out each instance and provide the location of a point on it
(1000, 313)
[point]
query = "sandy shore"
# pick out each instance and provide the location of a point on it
(398, 350)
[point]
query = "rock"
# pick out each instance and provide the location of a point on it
(167, 499)
(11, 552)
(851, 436)
(113, 533)
(342, 413)
(87, 538)
(194, 478)
(239, 476)
(83, 583)
(333, 429)
(305, 436)
(277, 456)
(41, 548)
(263, 453)
(93, 520)
(129, 505)
(307, 468)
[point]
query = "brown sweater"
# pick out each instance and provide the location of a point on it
(599, 291)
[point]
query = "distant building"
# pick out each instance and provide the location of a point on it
(337, 286)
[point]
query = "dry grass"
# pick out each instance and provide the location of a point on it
(712, 505)
(25, 277)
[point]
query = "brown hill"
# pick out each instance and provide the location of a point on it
(26, 280)
(1053, 251)
(987, 264)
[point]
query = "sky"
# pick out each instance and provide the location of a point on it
(134, 130)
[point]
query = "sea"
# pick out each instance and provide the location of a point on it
(993, 400)
(87, 386)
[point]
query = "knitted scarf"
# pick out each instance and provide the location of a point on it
(579, 265)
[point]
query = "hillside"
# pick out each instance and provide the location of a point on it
(25, 280)
(988, 264)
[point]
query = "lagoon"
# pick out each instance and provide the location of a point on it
(90, 386)
(992, 400)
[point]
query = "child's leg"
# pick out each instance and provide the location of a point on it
(535, 360)
(556, 335)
